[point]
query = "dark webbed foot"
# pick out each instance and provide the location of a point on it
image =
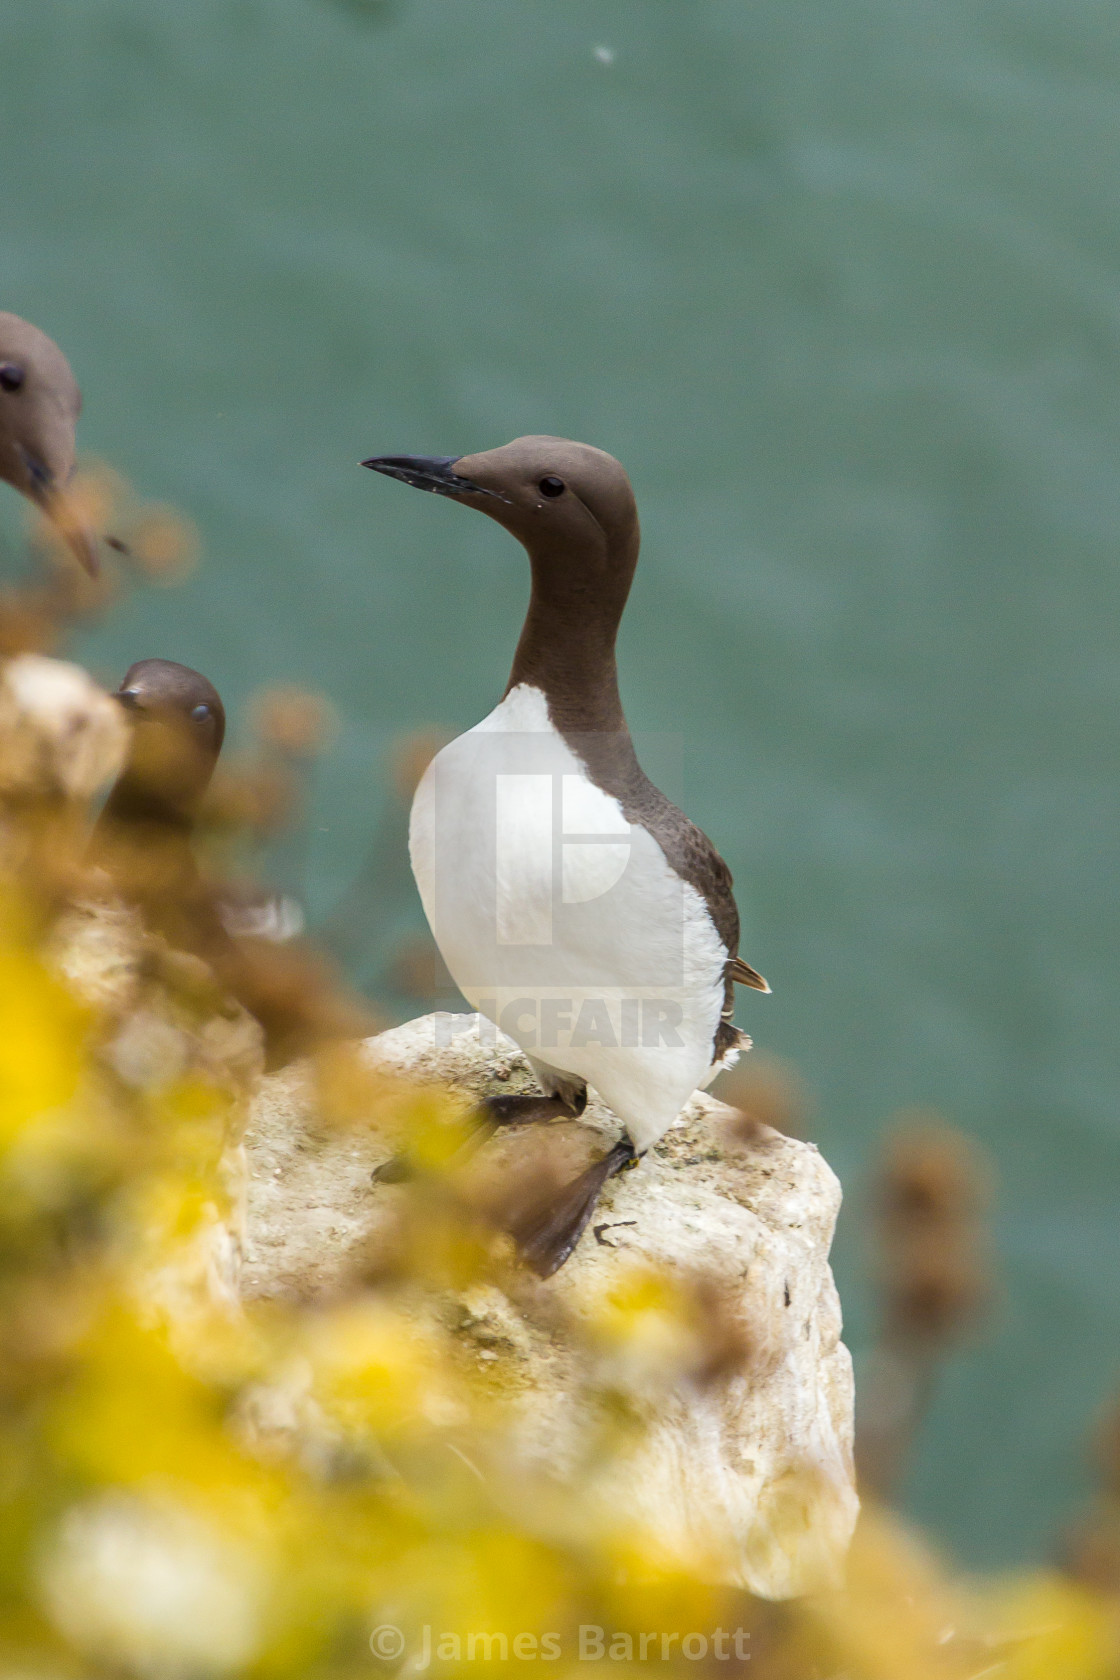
(525, 1109)
(546, 1235)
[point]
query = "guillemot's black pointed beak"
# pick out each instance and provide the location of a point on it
(429, 472)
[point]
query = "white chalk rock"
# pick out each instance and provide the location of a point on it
(61, 732)
(749, 1466)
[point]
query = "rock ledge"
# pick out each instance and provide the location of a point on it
(755, 1467)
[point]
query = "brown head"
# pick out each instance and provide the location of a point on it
(571, 506)
(178, 727)
(39, 407)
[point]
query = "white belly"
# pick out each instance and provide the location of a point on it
(562, 923)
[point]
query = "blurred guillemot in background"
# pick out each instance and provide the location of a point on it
(39, 407)
(146, 838)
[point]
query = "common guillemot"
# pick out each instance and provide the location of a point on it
(39, 408)
(572, 902)
(153, 807)
(145, 834)
(172, 759)
(145, 841)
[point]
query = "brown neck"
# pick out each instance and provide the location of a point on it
(574, 667)
(567, 645)
(140, 799)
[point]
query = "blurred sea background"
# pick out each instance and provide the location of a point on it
(841, 287)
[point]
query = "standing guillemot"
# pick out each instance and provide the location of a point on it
(611, 958)
(39, 408)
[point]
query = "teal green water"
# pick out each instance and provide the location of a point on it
(841, 286)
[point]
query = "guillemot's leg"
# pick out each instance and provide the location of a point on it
(546, 1236)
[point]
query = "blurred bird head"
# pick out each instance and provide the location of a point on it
(39, 407)
(179, 725)
(571, 505)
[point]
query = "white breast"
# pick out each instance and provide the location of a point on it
(563, 923)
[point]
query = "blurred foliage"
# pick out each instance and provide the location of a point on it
(934, 1282)
(191, 1486)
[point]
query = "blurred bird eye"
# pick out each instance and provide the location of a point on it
(551, 486)
(11, 376)
(200, 714)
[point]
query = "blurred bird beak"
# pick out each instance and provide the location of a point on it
(429, 472)
(63, 513)
(73, 530)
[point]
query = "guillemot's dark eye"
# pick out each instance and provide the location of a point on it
(11, 376)
(551, 486)
(201, 713)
